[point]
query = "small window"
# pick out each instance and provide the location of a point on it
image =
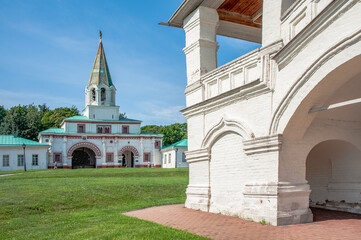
(6, 162)
(165, 159)
(146, 157)
(125, 129)
(57, 157)
(104, 129)
(110, 157)
(157, 144)
(81, 128)
(35, 160)
(184, 157)
(102, 96)
(169, 158)
(20, 160)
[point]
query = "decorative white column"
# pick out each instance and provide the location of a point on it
(201, 45)
(104, 162)
(152, 153)
(64, 157)
(116, 161)
(51, 157)
(271, 21)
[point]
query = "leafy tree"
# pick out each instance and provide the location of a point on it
(53, 118)
(122, 115)
(2, 113)
(172, 133)
(152, 128)
(24, 121)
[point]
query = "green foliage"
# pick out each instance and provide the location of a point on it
(87, 203)
(122, 115)
(264, 222)
(24, 121)
(172, 133)
(2, 113)
(53, 118)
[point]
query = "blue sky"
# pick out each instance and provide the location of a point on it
(48, 47)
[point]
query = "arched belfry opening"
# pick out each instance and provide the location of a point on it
(93, 95)
(103, 95)
(333, 171)
(83, 158)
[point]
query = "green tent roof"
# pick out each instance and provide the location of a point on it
(182, 143)
(100, 72)
(11, 140)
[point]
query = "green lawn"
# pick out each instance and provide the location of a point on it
(86, 203)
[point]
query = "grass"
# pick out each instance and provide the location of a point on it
(86, 203)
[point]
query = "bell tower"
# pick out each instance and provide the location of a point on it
(100, 91)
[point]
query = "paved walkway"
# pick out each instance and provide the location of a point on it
(328, 225)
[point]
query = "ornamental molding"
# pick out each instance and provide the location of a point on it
(227, 125)
(328, 16)
(92, 146)
(297, 86)
(129, 148)
(245, 92)
(198, 155)
(263, 144)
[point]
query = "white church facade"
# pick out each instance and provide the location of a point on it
(99, 138)
(278, 130)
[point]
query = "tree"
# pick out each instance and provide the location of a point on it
(24, 121)
(53, 118)
(172, 133)
(152, 128)
(2, 113)
(122, 115)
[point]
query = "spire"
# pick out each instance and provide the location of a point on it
(100, 73)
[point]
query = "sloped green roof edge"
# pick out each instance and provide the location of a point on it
(11, 140)
(182, 143)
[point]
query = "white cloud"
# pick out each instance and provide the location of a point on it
(13, 98)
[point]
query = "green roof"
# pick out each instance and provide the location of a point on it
(100, 72)
(84, 118)
(182, 143)
(11, 140)
(53, 130)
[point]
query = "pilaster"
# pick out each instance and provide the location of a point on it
(198, 191)
(271, 21)
(201, 46)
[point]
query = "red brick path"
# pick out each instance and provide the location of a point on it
(327, 225)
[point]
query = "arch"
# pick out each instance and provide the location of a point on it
(332, 171)
(102, 94)
(223, 126)
(345, 53)
(93, 94)
(89, 145)
(129, 148)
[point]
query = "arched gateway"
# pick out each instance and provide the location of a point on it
(84, 155)
(129, 154)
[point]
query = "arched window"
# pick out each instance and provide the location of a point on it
(93, 95)
(102, 94)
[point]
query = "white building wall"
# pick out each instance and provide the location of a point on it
(13, 153)
(276, 190)
(110, 145)
(175, 157)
